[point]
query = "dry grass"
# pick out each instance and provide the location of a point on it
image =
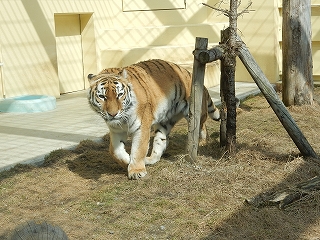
(88, 195)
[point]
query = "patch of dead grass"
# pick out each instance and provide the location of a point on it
(88, 195)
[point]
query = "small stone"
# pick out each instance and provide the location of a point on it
(162, 228)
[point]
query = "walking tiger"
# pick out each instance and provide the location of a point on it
(149, 95)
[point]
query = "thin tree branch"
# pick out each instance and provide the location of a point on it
(246, 10)
(227, 12)
(224, 11)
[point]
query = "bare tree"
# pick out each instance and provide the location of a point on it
(227, 84)
(233, 46)
(297, 78)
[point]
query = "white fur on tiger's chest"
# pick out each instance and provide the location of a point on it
(132, 123)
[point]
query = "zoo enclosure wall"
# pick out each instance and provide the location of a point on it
(49, 47)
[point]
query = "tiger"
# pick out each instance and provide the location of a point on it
(149, 96)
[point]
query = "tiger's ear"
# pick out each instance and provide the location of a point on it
(90, 78)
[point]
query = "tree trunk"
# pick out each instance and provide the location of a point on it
(297, 81)
(223, 92)
(229, 69)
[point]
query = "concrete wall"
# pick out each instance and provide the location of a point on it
(49, 47)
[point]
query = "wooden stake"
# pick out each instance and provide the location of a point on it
(196, 102)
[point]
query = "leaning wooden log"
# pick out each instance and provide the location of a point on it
(196, 102)
(276, 104)
(285, 197)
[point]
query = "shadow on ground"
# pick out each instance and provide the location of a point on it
(294, 222)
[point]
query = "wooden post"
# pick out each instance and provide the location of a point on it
(196, 101)
(275, 103)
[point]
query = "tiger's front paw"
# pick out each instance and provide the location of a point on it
(136, 173)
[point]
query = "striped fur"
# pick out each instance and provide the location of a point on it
(148, 95)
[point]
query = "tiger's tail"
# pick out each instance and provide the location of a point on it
(213, 111)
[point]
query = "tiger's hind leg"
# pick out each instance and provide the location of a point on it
(203, 137)
(208, 108)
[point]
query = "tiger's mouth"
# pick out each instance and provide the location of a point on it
(109, 117)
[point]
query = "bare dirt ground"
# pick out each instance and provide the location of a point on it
(89, 196)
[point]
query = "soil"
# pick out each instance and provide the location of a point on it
(88, 195)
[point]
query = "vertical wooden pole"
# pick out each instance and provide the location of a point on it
(196, 102)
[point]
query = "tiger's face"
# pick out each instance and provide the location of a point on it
(109, 95)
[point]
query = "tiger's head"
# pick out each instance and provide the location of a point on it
(110, 95)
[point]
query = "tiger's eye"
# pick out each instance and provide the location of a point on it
(102, 96)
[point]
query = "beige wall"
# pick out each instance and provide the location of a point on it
(49, 47)
(28, 49)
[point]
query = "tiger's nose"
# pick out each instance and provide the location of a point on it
(112, 114)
